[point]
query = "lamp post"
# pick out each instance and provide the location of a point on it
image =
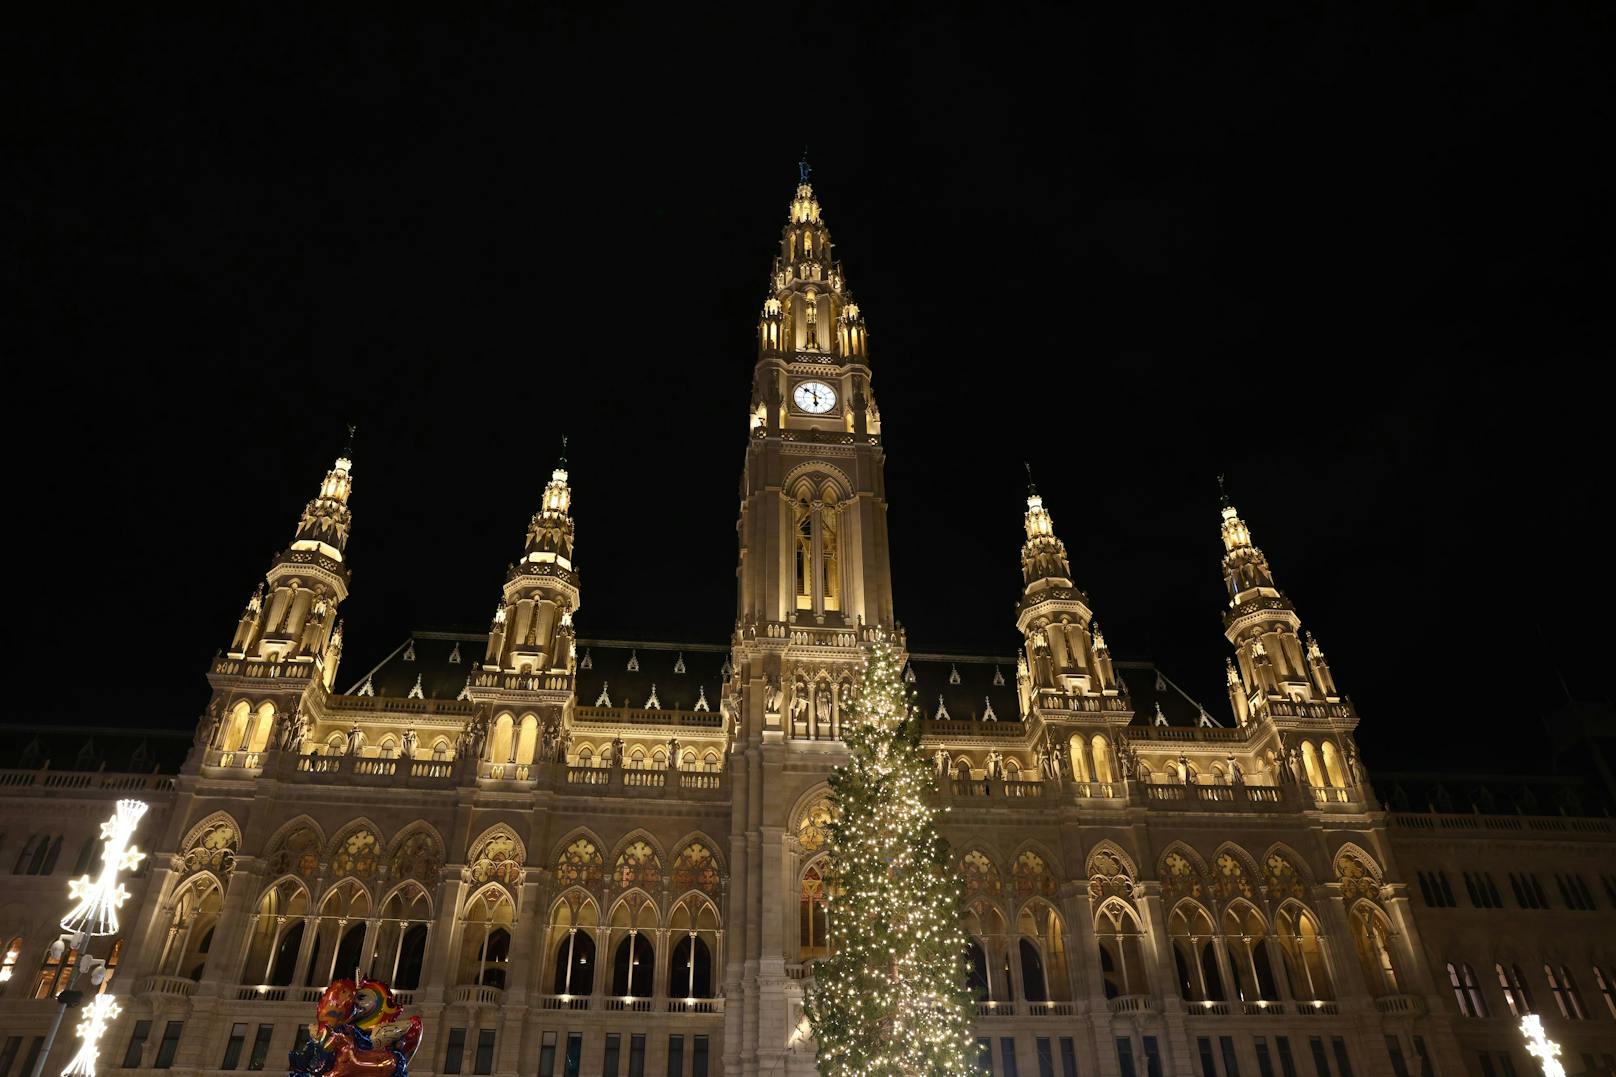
(95, 914)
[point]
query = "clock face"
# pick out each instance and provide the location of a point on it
(814, 397)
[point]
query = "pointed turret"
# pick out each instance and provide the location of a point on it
(809, 317)
(1063, 654)
(532, 627)
(292, 615)
(1260, 621)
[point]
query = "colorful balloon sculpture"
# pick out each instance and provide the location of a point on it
(356, 1034)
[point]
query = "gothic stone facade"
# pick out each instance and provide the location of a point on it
(590, 856)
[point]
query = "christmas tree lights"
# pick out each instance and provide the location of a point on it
(891, 999)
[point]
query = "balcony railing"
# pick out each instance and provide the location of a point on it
(172, 986)
(1394, 1004)
(476, 994)
(564, 1002)
(85, 779)
(1133, 1004)
(272, 993)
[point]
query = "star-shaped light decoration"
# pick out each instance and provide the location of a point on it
(97, 1016)
(98, 899)
(1538, 1044)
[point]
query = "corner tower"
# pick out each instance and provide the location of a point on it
(282, 659)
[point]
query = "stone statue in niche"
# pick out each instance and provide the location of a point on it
(822, 708)
(209, 730)
(410, 741)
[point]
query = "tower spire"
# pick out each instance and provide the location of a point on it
(292, 615)
(1065, 653)
(1262, 624)
(532, 628)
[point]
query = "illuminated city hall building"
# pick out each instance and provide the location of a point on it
(575, 855)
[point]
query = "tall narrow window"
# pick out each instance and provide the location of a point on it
(676, 1056)
(829, 556)
(260, 1047)
(572, 1062)
(483, 1061)
(1514, 988)
(1231, 1064)
(804, 555)
(1068, 1056)
(1394, 1049)
(547, 1053)
(636, 1055)
(132, 1054)
(698, 1057)
(1343, 1063)
(1565, 993)
(813, 928)
(609, 1058)
(454, 1051)
(1606, 988)
(1153, 1063)
(233, 1046)
(1125, 1056)
(169, 1047)
(1046, 1057)
(1287, 1064)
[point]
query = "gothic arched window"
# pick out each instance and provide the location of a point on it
(803, 557)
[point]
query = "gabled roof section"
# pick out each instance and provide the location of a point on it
(608, 666)
(429, 656)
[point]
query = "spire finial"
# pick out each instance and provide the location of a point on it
(804, 170)
(563, 461)
(1032, 487)
(1223, 493)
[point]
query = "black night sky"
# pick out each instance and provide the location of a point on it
(1357, 257)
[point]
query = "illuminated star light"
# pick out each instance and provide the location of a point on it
(99, 898)
(102, 1009)
(1539, 1045)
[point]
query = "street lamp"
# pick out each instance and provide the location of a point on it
(94, 914)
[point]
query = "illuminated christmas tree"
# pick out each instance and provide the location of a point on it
(891, 1000)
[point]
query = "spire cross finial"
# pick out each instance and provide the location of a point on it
(1032, 488)
(803, 168)
(1223, 494)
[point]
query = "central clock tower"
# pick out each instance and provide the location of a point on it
(813, 583)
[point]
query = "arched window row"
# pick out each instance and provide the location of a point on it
(650, 955)
(1241, 958)
(358, 850)
(296, 941)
